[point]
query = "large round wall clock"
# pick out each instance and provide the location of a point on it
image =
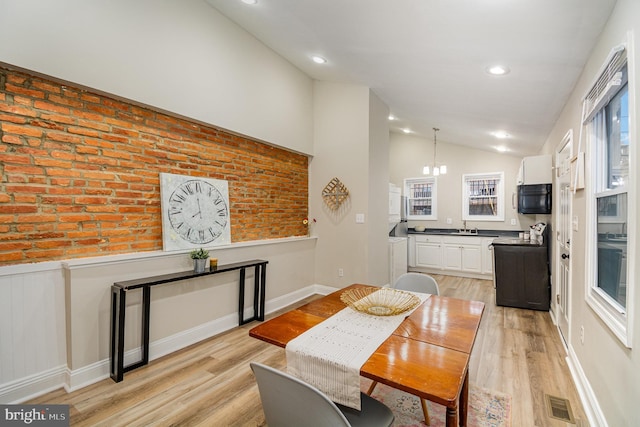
(195, 212)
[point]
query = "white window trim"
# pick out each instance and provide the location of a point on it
(434, 199)
(500, 197)
(619, 321)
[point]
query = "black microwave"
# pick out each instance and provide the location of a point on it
(534, 199)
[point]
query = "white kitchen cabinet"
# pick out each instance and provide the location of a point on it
(428, 251)
(462, 254)
(397, 258)
(468, 256)
(452, 257)
(471, 258)
(411, 251)
(487, 255)
(535, 170)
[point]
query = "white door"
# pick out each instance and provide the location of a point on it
(563, 236)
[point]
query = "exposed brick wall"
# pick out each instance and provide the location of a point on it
(80, 173)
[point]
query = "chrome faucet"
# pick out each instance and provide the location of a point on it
(464, 224)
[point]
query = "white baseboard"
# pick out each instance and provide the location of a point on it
(72, 380)
(33, 386)
(587, 397)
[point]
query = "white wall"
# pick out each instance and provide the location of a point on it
(408, 155)
(378, 209)
(343, 149)
(607, 372)
(180, 56)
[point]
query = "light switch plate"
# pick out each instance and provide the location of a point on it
(449, 221)
(360, 218)
(575, 223)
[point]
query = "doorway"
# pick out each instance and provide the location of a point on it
(563, 235)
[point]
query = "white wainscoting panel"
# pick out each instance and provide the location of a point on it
(32, 330)
(54, 329)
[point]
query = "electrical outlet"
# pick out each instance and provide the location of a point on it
(449, 221)
(340, 272)
(581, 334)
(360, 218)
(513, 221)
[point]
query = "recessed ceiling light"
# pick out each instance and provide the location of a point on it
(392, 117)
(498, 70)
(501, 134)
(501, 149)
(250, 1)
(406, 130)
(318, 59)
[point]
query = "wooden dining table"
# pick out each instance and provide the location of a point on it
(427, 355)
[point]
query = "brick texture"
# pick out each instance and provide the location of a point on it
(80, 173)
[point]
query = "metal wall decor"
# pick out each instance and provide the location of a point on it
(335, 193)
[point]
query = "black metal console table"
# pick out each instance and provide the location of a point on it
(119, 302)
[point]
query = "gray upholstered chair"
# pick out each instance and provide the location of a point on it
(290, 402)
(415, 282)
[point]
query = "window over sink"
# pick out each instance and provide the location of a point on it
(483, 197)
(422, 201)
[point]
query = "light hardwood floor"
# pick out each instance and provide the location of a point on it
(210, 383)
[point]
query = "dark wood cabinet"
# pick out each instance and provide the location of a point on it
(522, 276)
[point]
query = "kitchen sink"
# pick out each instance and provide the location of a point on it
(464, 233)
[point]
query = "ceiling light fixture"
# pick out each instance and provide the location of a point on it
(437, 170)
(501, 149)
(500, 134)
(250, 1)
(498, 70)
(318, 59)
(392, 117)
(406, 130)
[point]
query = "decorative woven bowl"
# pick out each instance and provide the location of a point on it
(379, 301)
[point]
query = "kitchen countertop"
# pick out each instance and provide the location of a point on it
(455, 232)
(517, 242)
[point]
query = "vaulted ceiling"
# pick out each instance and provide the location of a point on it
(428, 59)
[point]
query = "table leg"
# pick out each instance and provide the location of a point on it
(256, 291)
(118, 305)
(241, 298)
(263, 290)
(464, 400)
(452, 417)
(146, 311)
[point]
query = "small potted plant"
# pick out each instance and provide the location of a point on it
(199, 257)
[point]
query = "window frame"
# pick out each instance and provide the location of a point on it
(466, 178)
(433, 182)
(617, 318)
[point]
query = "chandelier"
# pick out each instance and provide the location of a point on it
(437, 170)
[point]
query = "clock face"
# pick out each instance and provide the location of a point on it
(197, 212)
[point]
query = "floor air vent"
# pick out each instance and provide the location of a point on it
(559, 408)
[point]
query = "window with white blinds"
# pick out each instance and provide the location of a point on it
(608, 83)
(610, 194)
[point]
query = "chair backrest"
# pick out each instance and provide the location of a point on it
(287, 401)
(417, 282)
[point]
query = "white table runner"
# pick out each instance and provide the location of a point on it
(329, 355)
